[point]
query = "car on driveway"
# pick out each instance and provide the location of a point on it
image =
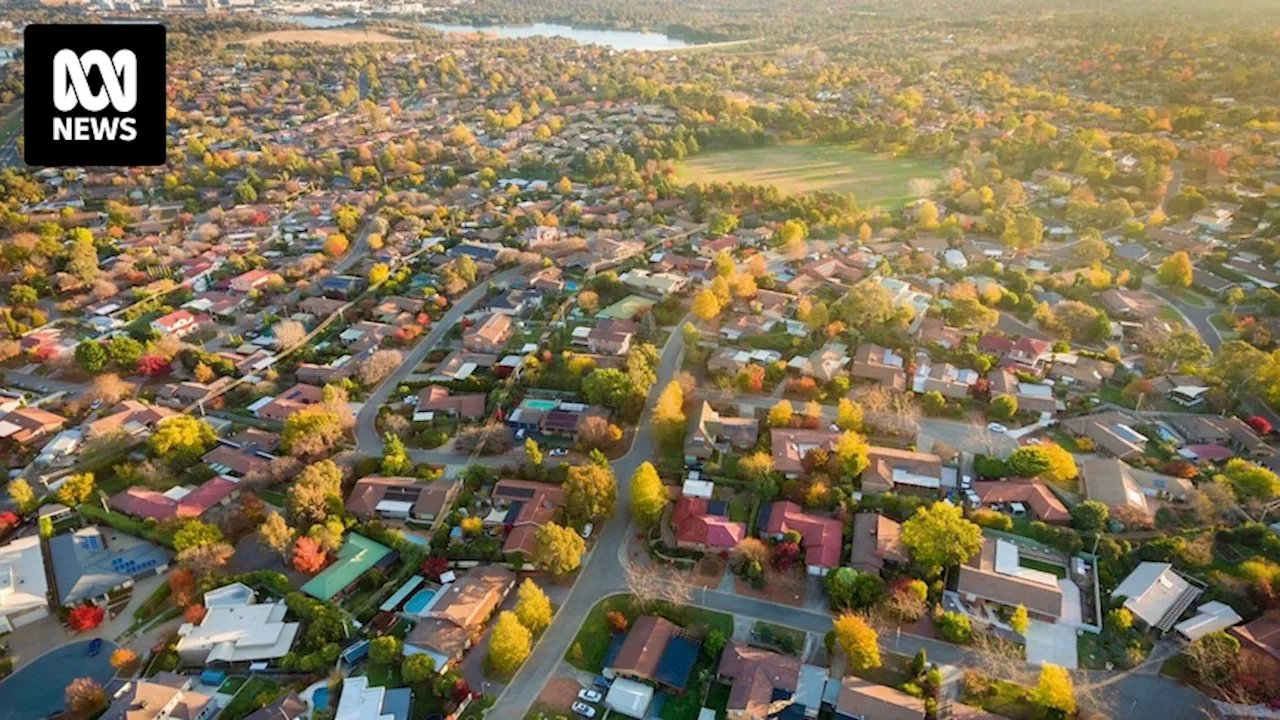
(95, 647)
(584, 710)
(591, 696)
(996, 427)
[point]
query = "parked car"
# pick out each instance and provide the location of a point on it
(996, 427)
(601, 682)
(95, 647)
(591, 696)
(586, 530)
(557, 452)
(584, 710)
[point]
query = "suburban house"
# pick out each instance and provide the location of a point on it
(821, 538)
(24, 587)
(710, 431)
(704, 526)
(789, 447)
(902, 471)
(945, 378)
(490, 335)
(177, 502)
(462, 364)
(1156, 594)
(882, 365)
(178, 323)
(995, 575)
(1027, 354)
(611, 336)
(825, 364)
(761, 681)
(1018, 497)
(1261, 634)
(1186, 390)
(457, 614)
(1081, 373)
(167, 696)
(130, 416)
(28, 425)
(655, 650)
(288, 402)
(1111, 432)
(434, 399)
(877, 540)
(1033, 397)
(861, 699)
(400, 498)
(362, 701)
(658, 283)
(252, 280)
(357, 556)
(236, 629)
(1230, 432)
(524, 506)
(93, 561)
(1129, 304)
(236, 462)
(549, 279)
(934, 331)
(1110, 482)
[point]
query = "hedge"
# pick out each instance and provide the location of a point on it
(126, 524)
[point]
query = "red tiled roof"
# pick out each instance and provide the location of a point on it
(822, 538)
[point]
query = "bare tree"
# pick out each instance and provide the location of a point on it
(289, 334)
(380, 365)
(650, 584)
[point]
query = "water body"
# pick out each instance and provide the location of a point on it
(616, 39)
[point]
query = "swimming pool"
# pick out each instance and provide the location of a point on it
(540, 404)
(419, 601)
(414, 538)
(320, 698)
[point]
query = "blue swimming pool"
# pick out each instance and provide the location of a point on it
(320, 698)
(414, 538)
(540, 404)
(419, 601)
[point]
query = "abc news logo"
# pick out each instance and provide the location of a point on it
(95, 95)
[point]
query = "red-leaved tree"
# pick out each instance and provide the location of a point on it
(182, 586)
(153, 366)
(435, 566)
(194, 614)
(785, 555)
(1259, 424)
(308, 556)
(85, 617)
(616, 621)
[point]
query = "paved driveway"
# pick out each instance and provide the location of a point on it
(1050, 643)
(36, 690)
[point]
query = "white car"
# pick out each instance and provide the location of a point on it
(586, 530)
(591, 696)
(584, 710)
(996, 427)
(557, 452)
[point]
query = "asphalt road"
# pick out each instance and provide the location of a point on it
(368, 441)
(31, 382)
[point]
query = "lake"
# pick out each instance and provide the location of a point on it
(616, 39)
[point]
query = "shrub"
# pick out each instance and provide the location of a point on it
(991, 519)
(953, 627)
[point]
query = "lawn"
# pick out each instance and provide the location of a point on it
(1064, 440)
(255, 694)
(1056, 570)
(1007, 699)
(718, 699)
(803, 167)
(740, 507)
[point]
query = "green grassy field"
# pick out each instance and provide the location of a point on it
(802, 167)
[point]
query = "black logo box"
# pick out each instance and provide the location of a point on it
(42, 42)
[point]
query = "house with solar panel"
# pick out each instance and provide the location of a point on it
(93, 561)
(654, 650)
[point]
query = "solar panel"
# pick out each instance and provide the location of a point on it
(717, 507)
(517, 492)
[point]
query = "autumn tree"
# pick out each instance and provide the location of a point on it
(939, 536)
(379, 366)
(308, 557)
(1020, 621)
(1029, 461)
(858, 641)
(275, 533)
(1055, 690)
(123, 661)
(668, 415)
(558, 549)
(85, 697)
(310, 431)
(76, 489)
(590, 492)
(648, 495)
(23, 497)
(780, 414)
(1062, 464)
(757, 466)
(181, 439)
(706, 305)
(848, 415)
(509, 644)
(1176, 271)
(395, 457)
(853, 453)
(533, 608)
(319, 486)
(289, 334)
(195, 533)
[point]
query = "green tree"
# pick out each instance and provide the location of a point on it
(318, 487)
(310, 431)
(386, 650)
(722, 224)
(1029, 461)
(1176, 270)
(124, 351)
(533, 608)
(558, 549)
(648, 495)
(509, 644)
(417, 669)
(1251, 481)
(91, 356)
(1090, 516)
(939, 536)
(23, 295)
(82, 257)
(181, 439)
(1002, 407)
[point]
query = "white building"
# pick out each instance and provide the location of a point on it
(236, 629)
(23, 587)
(1156, 594)
(359, 701)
